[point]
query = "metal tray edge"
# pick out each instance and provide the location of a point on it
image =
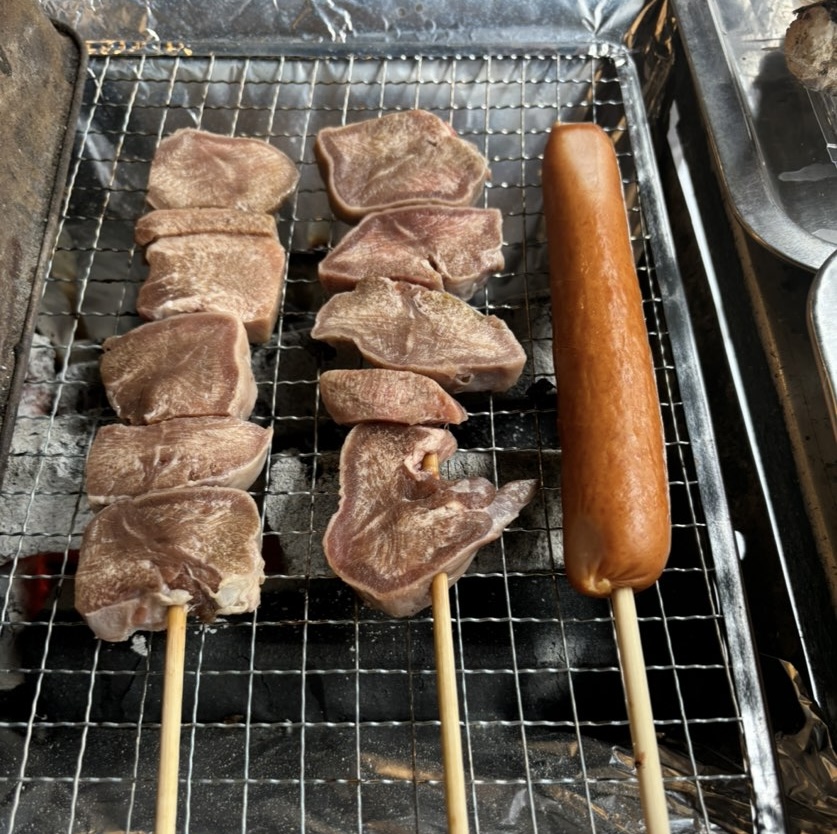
(77, 52)
(749, 193)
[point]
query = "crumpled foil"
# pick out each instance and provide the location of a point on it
(242, 27)
(808, 766)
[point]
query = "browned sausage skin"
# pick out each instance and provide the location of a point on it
(615, 500)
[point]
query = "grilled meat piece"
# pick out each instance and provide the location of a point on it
(403, 326)
(198, 546)
(192, 365)
(239, 274)
(378, 395)
(184, 452)
(439, 247)
(398, 526)
(198, 169)
(399, 159)
(174, 222)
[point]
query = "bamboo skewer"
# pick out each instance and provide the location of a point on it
(167, 779)
(646, 752)
(454, 772)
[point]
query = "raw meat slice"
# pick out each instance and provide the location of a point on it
(440, 247)
(193, 365)
(174, 222)
(215, 273)
(403, 326)
(198, 169)
(184, 452)
(199, 546)
(378, 395)
(397, 526)
(397, 160)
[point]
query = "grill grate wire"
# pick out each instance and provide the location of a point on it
(315, 713)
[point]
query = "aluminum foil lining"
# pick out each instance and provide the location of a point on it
(241, 27)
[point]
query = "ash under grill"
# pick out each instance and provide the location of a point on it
(316, 714)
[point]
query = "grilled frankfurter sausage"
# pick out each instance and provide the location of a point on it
(615, 500)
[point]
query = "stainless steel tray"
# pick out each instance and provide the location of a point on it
(315, 713)
(770, 148)
(822, 323)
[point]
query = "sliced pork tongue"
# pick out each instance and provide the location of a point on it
(126, 461)
(198, 546)
(191, 365)
(187, 535)
(196, 221)
(212, 244)
(379, 395)
(400, 159)
(241, 274)
(398, 526)
(403, 326)
(198, 169)
(438, 247)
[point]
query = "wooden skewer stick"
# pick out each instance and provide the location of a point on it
(167, 779)
(635, 680)
(454, 772)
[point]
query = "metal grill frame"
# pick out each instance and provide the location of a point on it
(497, 100)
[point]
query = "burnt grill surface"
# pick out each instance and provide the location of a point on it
(316, 713)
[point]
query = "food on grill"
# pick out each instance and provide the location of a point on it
(183, 452)
(811, 46)
(399, 159)
(199, 546)
(380, 395)
(397, 525)
(403, 326)
(192, 365)
(617, 529)
(439, 247)
(198, 169)
(173, 222)
(239, 274)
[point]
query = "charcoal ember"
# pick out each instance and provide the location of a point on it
(286, 379)
(37, 393)
(299, 513)
(44, 507)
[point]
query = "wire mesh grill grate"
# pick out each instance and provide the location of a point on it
(315, 713)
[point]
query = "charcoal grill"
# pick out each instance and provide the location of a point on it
(316, 714)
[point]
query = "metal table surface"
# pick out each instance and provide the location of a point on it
(761, 316)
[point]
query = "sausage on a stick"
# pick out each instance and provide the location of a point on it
(617, 530)
(615, 500)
